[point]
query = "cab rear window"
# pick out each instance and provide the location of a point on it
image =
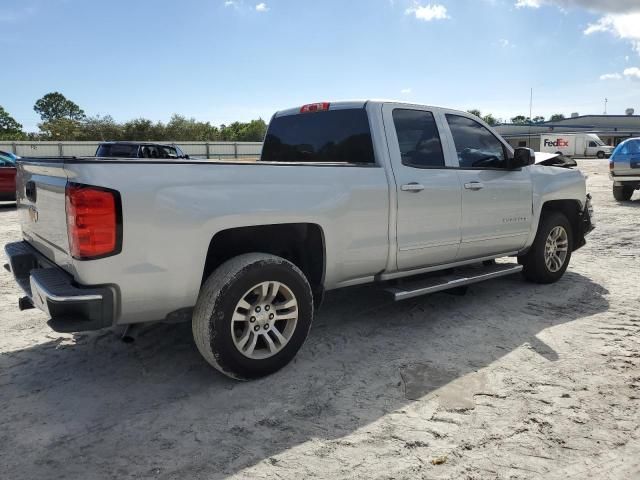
(333, 136)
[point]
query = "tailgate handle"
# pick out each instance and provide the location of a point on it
(30, 191)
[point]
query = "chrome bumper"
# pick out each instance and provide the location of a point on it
(71, 307)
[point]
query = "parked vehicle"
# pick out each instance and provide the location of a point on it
(575, 145)
(624, 169)
(345, 194)
(7, 176)
(139, 150)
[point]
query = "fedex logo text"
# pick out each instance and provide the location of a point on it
(557, 143)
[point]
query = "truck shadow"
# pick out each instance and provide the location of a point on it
(154, 409)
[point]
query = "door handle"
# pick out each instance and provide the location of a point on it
(474, 186)
(412, 187)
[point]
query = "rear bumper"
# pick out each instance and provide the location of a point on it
(7, 196)
(624, 178)
(71, 307)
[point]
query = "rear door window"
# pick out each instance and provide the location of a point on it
(333, 136)
(418, 137)
(476, 146)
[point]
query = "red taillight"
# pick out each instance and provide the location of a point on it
(315, 107)
(93, 223)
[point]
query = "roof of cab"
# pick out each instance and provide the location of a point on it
(347, 104)
(137, 143)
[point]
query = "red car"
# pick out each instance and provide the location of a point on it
(7, 176)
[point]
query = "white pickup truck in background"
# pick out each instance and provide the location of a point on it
(345, 194)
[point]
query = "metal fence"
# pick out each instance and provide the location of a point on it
(217, 150)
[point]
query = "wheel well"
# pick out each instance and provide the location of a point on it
(300, 243)
(571, 209)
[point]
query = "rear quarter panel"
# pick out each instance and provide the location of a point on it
(172, 211)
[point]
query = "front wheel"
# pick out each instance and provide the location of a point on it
(252, 316)
(549, 256)
(601, 155)
(622, 193)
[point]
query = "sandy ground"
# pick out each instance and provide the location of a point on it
(513, 380)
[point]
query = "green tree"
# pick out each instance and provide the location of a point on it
(538, 119)
(520, 120)
(55, 106)
(100, 128)
(189, 129)
(475, 111)
(556, 117)
(490, 119)
(61, 129)
(142, 129)
(10, 129)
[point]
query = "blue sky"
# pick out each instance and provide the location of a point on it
(223, 60)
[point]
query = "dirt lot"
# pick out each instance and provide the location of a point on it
(511, 381)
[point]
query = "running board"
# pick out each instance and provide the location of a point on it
(459, 277)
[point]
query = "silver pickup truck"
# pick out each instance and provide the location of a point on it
(346, 193)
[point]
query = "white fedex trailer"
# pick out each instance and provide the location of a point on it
(575, 145)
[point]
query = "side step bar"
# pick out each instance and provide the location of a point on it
(459, 277)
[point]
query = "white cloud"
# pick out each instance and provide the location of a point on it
(262, 7)
(504, 43)
(428, 12)
(230, 3)
(623, 25)
(528, 4)
(405, 91)
(610, 76)
(633, 72)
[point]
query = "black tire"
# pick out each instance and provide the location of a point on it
(534, 265)
(218, 300)
(622, 193)
(600, 155)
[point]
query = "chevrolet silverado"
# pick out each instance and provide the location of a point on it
(345, 193)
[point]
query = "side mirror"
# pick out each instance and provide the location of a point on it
(186, 157)
(522, 157)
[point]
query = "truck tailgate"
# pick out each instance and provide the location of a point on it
(40, 185)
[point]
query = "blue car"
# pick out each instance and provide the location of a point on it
(624, 169)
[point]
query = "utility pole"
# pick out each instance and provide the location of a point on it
(606, 100)
(530, 115)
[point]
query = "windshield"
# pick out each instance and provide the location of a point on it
(332, 136)
(117, 150)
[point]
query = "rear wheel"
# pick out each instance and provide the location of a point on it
(622, 193)
(549, 256)
(252, 316)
